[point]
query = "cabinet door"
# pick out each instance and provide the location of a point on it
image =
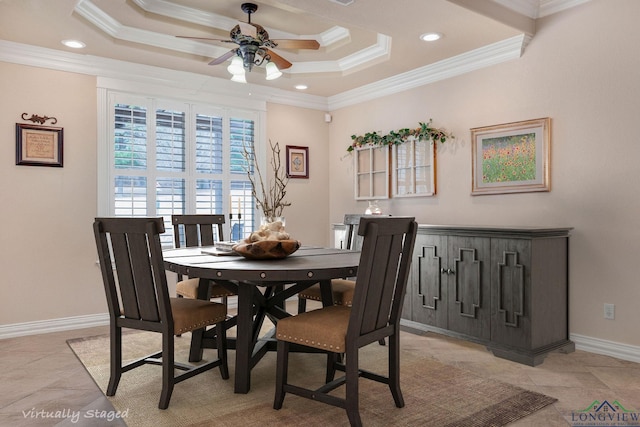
(428, 283)
(469, 300)
(511, 292)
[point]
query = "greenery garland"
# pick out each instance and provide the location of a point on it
(423, 133)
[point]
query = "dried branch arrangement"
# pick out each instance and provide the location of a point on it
(270, 200)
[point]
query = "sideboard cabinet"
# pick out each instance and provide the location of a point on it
(504, 287)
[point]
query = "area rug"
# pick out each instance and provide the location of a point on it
(435, 394)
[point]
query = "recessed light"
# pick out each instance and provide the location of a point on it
(301, 87)
(75, 44)
(430, 37)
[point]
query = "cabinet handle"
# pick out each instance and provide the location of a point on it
(447, 271)
(443, 271)
(450, 271)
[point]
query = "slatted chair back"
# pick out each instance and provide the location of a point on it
(382, 277)
(352, 223)
(138, 297)
(197, 230)
(354, 241)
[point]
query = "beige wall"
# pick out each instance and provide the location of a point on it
(48, 253)
(307, 128)
(580, 70)
(585, 81)
(47, 257)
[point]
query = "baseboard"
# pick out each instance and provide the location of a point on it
(53, 325)
(583, 343)
(606, 348)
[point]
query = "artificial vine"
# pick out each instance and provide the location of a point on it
(422, 133)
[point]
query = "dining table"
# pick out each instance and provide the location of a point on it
(262, 286)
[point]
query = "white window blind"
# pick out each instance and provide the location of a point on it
(168, 157)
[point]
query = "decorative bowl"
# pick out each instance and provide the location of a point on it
(267, 249)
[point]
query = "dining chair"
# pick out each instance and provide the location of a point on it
(375, 313)
(135, 283)
(341, 289)
(198, 230)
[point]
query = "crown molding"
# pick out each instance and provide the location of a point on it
(495, 53)
(191, 82)
(528, 8)
(369, 56)
(149, 75)
(549, 7)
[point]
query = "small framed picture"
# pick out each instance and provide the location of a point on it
(297, 161)
(511, 158)
(38, 145)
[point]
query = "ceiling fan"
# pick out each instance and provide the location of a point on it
(254, 45)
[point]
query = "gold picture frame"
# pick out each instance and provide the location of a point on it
(511, 158)
(39, 145)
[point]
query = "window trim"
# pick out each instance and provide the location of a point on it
(109, 88)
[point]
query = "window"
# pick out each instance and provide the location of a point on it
(168, 157)
(414, 169)
(372, 172)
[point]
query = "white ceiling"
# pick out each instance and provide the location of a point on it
(366, 42)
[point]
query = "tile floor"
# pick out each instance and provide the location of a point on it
(40, 374)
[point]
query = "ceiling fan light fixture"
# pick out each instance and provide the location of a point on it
(272, 71)
(236, 66)
(239, 78)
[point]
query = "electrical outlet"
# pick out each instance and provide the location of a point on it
(609, 311)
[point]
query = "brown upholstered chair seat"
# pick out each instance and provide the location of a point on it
(325, 329)
(189, 289)
(190, 314)
(342, 290)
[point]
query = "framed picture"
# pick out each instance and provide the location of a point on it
(297, 161)
(511, 158)
(38, 145)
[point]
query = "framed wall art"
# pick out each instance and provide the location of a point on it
(39, 145)
(511, 158)
(297, 161)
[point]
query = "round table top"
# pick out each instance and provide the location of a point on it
(308, 263)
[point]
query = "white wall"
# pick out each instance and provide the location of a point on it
(580, 70)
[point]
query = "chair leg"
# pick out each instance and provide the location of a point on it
(116, 359)
(302, 305)
(394, 369)
(282, 367)
(352, 400)
(196, 350)
(168, 380)
(332, 359)
(221, 344)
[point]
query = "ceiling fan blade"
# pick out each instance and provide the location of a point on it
(280, 62)
(223, 58)
(206, 38)
(248, 29)
(297, 44)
